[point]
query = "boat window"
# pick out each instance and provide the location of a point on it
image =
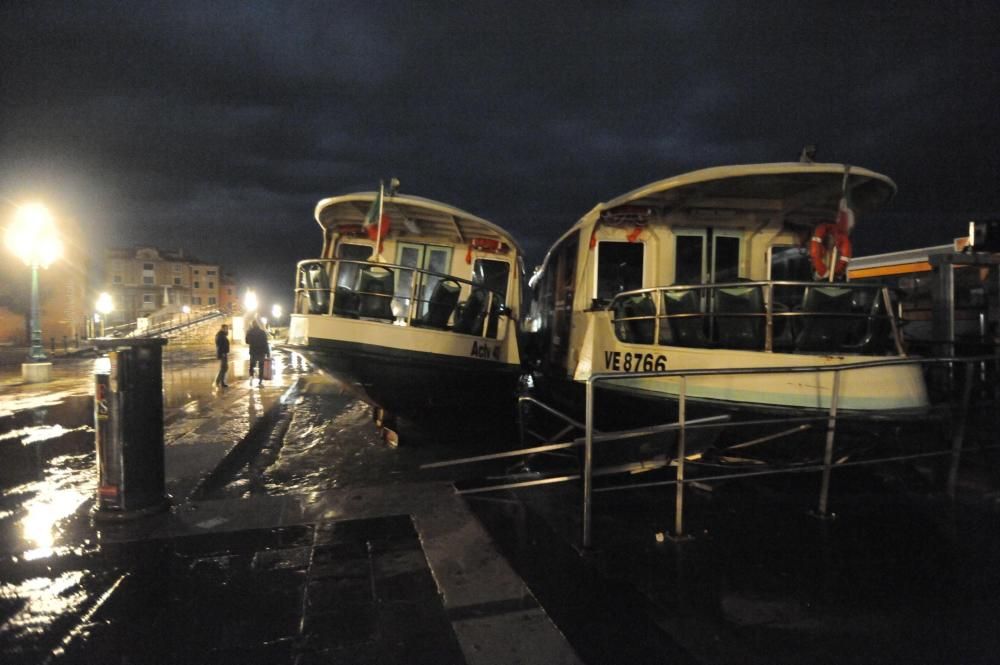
(725, 257)
(619, 268)
(492, 274)
(348, 274)
(426, 257)
(689, 259)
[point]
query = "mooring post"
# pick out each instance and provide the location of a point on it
(958, 431)
(681, 454)
(831, 428)
(588, 463)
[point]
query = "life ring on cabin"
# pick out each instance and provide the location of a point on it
(486, 245)
(818, 253)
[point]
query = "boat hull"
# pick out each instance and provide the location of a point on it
(436, 380)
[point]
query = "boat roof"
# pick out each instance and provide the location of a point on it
(804, 190)
(413, 217)
(785, 187)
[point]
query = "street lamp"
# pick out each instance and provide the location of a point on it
(250, 301)
(32, 237)
(276, 312)
(104, 306)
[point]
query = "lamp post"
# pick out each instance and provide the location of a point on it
(32, 237)
(104, 307)
(276, 312)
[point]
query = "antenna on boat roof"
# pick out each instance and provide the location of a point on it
(808, 154)
(393, 186)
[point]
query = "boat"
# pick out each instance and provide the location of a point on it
(726, 267)
(415, 303)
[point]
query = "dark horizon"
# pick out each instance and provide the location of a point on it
(216, 128)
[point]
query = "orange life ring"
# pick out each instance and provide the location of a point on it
(818, 253)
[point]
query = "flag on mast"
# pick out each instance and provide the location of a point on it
(376, 222)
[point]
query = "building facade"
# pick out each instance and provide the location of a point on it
(144, 280)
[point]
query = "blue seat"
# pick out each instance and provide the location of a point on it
(635, 319)
(442, 303)
(739, 317)
(827, 320)
(686, 322)
(375, 290)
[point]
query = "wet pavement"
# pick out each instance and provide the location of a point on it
(272, 550)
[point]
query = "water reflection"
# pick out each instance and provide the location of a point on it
(67, 484)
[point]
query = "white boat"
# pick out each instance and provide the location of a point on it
(712, 270)
(415, 302)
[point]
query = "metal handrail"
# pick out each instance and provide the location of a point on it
(495, 305)
(655, 295)
(827, 466)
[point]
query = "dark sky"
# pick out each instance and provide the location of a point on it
(217, 126)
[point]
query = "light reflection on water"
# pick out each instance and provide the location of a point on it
(44, 598)
(69, 481)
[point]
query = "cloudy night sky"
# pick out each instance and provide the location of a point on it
(217, 126)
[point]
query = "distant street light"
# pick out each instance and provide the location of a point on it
(32, 237)
(276, 312)
(250, 301)
(104, 306)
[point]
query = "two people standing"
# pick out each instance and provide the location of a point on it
(259, 351)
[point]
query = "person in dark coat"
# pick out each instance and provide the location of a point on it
(222, 353)
(259, 349)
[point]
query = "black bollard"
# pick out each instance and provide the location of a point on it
(128, 423)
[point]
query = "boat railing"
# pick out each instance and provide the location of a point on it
(967, 414)
(784, 316)
(398, 294)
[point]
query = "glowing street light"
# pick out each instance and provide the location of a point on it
(276, 312)
(250, 301)
(104, 306)
(32, 237)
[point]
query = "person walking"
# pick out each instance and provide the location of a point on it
(222, 353)
(259, 350)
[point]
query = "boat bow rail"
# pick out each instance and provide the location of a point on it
(784, 316)
(400, 295)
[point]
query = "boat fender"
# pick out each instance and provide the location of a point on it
(819, 254)
(485, 245)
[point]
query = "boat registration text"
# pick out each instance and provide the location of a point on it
(624, 361)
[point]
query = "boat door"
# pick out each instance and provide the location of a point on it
(706, 256)
(434, 258)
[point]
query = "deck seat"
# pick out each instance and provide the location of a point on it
(827, 320)
(739, 317)
(442, 303)
(687, 329)
(630, 326)
(375, 291)
(317, 281)
(472, 313)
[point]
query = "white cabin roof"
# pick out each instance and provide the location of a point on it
(411, 217)
(800, 192)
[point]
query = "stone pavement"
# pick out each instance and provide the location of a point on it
(380, 574)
